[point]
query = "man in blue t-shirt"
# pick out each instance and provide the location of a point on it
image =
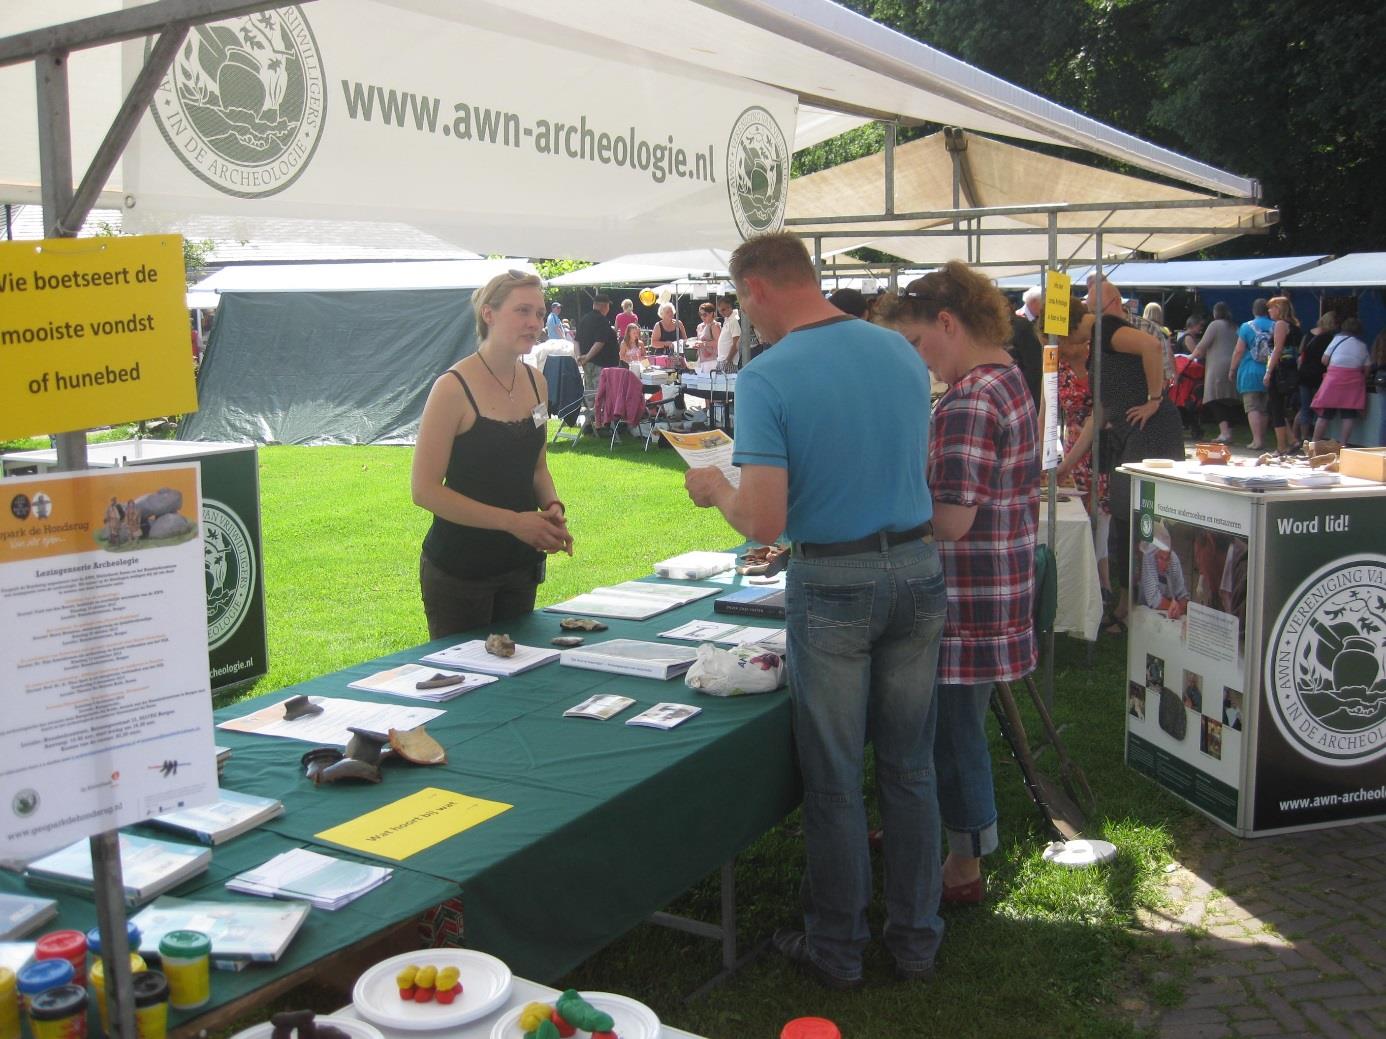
(831, 436)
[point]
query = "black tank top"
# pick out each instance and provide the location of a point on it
(493, 462)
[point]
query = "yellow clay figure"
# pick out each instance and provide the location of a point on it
(532, 1015)
(405, 980)
(447, 978)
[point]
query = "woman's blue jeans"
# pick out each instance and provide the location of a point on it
(863, 636)
(966, 792)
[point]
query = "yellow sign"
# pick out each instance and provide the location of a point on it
(411, 824)
(93, 331)
(1056, 295)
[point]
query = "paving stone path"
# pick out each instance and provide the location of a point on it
(1288, 936)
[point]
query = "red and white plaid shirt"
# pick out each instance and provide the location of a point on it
(984, 451)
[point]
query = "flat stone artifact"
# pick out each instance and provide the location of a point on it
(296, 707)
(500, 645)
(349, 768)
(581, 624)
(318, 759)
(417, 747)
(440, 681)
(567, 641)
(365, 745)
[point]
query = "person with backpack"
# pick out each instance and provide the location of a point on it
(1255, 341)
(1282, 371)
(1344, 389)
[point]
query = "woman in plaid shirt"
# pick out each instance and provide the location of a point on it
(984, 476)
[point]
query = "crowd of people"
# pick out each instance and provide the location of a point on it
(910, 590)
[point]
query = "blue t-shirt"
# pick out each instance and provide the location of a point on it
(1251, 372)
(555, 326)
(844, 406)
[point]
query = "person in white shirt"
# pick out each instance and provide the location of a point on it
(729, 342)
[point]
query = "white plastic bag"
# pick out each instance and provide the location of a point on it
(739, 671)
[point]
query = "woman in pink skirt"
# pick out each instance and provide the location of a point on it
(1344, 388)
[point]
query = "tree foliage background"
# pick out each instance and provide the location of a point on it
(1290, 92)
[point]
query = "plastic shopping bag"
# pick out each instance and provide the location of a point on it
(739, 671)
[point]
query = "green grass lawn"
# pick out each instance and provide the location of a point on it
(1049, 953)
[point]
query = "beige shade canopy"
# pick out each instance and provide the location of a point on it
(993, 174)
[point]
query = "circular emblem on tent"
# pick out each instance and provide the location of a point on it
(1326, 664)
(244, 101)
(757, 172)
(230, 566)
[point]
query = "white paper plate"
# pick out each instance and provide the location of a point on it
(633, 1020)
(350, 1025)
(1080, 853)
(485, 981)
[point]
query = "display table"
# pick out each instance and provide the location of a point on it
(1263, 705)
(522, 993)
(1079, 610)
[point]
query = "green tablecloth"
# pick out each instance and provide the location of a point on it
(610, 822)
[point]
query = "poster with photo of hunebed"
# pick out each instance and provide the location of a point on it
(1186, 649)
(1321, 743)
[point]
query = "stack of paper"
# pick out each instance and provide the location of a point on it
(230, 815)
(404, 681)
(631, 657)
(326, 882)
(472, 656)
(633, 600)
(239, 930)
(148, 866)
(728, 634)
(20, 914)
(333, 724)
(695, 566)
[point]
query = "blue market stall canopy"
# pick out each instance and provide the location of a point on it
(1353, 271)
(408, 111)
(1192, 274)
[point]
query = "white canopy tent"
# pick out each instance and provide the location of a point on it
(1353, 271)
(819, 68)
(357, 277)
(1178, 274)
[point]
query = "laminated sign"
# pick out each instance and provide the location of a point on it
(93, 331)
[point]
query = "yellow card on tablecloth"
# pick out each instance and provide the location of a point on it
(411, 824)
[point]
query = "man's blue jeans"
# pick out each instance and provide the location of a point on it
(863, 647)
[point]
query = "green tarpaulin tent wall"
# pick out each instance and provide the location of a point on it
(327, 367)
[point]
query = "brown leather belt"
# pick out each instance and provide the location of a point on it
(877, 542)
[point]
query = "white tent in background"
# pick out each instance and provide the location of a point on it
(357, 277)
(1353, 271)
(691, 265)
(1180, 274)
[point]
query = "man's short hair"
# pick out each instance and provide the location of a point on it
(1034, 292)
(1260, 307)
(600, 298)
(779, 257)
(849, 301)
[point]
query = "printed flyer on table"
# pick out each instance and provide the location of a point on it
(104, 660)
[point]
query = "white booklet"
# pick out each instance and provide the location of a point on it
(334, 722)
(711, 448)
(239, 930)
(230, 815)
(632, 657)
(728, 634)
(695, 566)
(472, 656)
(665, 715)
(404, 681)
(633, 600)
(601, 707)
(327, 882)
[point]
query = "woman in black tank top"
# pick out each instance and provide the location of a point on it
(481, 469)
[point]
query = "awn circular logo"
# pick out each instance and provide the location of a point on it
(1326, 666)
(244, 102)
(230, 566)
(757, 172)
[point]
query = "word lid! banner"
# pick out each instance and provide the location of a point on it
(492, 135)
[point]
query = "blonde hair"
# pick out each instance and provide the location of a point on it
(955, 287)
(495, 292)
(1154, 312)
(1287, 309)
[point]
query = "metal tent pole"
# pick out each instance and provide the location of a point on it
(1095, 382)
(55, 163)
(1052, 481)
